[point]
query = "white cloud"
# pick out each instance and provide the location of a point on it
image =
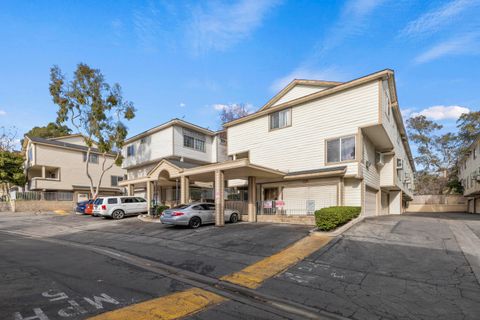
(406, 112)
(3, 113)
(329, 74)
(442, 112)
(353, 20)
(182, 105)
(467, 44)
(217, 26)
(438, 18)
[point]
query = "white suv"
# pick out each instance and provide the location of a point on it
(119, 207)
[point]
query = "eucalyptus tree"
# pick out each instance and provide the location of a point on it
(96, 110)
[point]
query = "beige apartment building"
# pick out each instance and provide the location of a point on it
(313, 145)
(58, 164)
(469, 176)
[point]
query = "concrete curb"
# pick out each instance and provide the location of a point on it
(146, 218)
(339, 230)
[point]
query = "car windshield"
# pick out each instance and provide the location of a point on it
(181, 206)
(98, 201)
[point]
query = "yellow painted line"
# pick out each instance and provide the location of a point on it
(60, 212)
(173, 306)
(253, 275)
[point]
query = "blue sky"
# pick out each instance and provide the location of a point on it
(187, 59)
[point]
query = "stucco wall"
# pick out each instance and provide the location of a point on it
(42, 206)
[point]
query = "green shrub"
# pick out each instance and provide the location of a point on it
(160, 209)
(330, 218)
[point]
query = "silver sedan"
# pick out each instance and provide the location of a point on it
(195, 214)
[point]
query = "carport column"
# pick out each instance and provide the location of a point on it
(130, 190)
(184, 189)
(149, 196)
(219, 198)
(252, 199)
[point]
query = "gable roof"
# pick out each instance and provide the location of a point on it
(295, 82)
(65, 145)
(168, 124)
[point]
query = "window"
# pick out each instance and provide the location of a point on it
(129, 200)
(143, 140)
(140, 200)
(341, 149)
(112, 201)
(281, 119)
(130, 150)
(30, 153)
(93, 158)
(115, 180)
(475, 153)
(194, 140)
(98, 201)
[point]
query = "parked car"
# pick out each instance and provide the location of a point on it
(195, 214)
(80, 207)
(89, 207)
(119, 207)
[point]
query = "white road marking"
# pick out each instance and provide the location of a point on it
(97, 301)
(55, 296)
(39, 315)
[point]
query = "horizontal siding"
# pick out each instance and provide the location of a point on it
(371, 175)
(181, 151)
(297, 92)
(301, 146)
(387, 171)
(393, 132)
(72, 167)
(157, 145)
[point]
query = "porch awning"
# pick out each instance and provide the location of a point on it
(318, 173)
(233, 169)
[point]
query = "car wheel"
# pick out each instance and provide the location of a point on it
(118, 214)
(195, 222)
(234, 218)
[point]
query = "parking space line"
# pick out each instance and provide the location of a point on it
(173, 306)
(253, 275)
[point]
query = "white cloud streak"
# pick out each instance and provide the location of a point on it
(436, 19)
(353, 20)
(467, 44)
(221, 106)
(216, 26)
(442, 112)
(3, 113)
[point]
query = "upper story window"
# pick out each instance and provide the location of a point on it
(131, 150)
(93, 158)
(143, 140)
(194, 140)
(475, 153)
(115, 180)
(30, 153)
(281, 119)
(341, 149)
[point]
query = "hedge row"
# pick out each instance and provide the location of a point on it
(332, 217)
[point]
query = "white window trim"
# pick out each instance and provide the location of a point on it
(340, 149)
(289, 120)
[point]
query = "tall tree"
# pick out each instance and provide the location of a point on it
(94, 109)
(468, 125)
(11, 161)
(423, 133)
(51, 130)
(232, 112)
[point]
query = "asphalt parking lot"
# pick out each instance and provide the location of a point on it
(392, 267)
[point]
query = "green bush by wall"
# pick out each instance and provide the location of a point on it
(330, 218)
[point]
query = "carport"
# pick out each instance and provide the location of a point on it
(218, 173)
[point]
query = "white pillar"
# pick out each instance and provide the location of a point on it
(43, 172)
(149, 195)
(252, 199)
(130, 190)
(219, 199)
(184, 189)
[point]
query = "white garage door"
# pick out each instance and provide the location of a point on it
(370, 202)
(307, 199)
